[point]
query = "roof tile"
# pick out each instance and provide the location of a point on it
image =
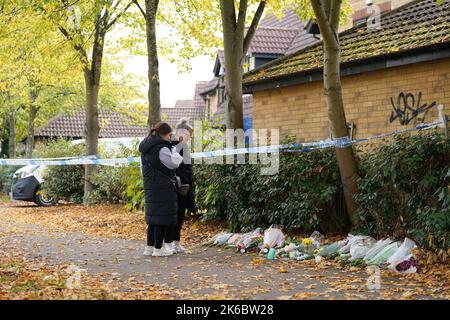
(112, 125)
(420, 24)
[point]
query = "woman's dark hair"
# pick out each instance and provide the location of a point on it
(161, 129)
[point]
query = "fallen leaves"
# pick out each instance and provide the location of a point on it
(110, 221)
(222, 275)
(258, 261)
(282, 270)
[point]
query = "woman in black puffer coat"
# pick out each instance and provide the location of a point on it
(159, 161)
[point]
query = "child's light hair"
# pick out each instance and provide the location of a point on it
(183, 124)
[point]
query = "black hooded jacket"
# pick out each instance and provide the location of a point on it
(186, 174)
(160, 194)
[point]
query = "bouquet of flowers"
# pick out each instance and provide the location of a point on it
(308, 246)
(273, 237)
(408, 266)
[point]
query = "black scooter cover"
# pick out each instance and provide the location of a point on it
(24, 189)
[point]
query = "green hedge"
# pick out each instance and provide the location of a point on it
(305, 194)
(63, 182)
(67, 182)
(404, 190)
(6, 173)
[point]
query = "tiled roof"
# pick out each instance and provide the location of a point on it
(174, 115)
(187, 109)
(290, 20)
(112, 125)
(276, 36)
(200, 87)
(417, 25)
(183, 104)
(301, 40)
(269, 40)
(212, 84)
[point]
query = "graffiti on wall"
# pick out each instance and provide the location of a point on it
(408, 108)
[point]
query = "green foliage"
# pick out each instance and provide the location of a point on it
(304, 194)
(63, 182)
(6, 173)
(110, 185)
(404, 190)
(134, 191)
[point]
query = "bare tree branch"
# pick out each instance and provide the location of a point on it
(119, 15)
(78, 48)
(254, 25)
(228, 14)
(140, 8)
(335, 14)
(240, 24)
(322, 20)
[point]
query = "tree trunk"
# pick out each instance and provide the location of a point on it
(12, 134)
(154, 99)
(327, 16)
(30, 132)
(92, 129)
(338, 125)
(235, 50)
(233, 41)
(233, 89)
(92, 81)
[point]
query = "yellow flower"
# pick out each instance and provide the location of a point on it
(307, 241)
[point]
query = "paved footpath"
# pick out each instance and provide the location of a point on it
(206, 272)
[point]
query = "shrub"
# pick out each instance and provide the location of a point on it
(109, 185)
(6, 173)
(63, 182)
(404, 190)
(305, 194)
(134, 191)
(67, 182)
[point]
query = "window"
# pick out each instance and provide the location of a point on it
(221, 95)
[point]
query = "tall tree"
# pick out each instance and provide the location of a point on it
(154, 91)
(327, 15)
(85, 27)
(190, 37)
(236, 44)
(34, 62)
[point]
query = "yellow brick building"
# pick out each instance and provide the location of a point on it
(407, 58)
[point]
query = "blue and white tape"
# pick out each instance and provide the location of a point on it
(295, 147)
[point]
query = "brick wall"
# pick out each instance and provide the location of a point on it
(300, 110)
(360, 9)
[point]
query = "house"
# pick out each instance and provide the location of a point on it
(392, 78)
(191, 110)
(274, 38)
(363, 9)
(112, 125)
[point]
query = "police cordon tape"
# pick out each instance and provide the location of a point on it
(295, 147)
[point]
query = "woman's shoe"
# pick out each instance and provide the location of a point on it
(161, 253)
(169, 247)
(178, 247)
(148, 250)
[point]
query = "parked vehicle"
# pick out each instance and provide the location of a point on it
(27, 181)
